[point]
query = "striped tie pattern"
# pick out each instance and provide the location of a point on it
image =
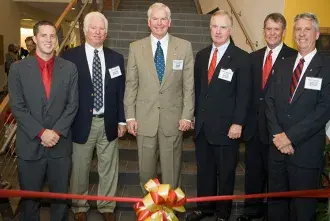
(295, 78)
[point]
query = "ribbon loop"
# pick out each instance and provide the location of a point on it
(161, 201)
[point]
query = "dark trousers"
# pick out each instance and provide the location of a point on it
(32, 175)
(216, 168)
(285, 176)
(256, 176)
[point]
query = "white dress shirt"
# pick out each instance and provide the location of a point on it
(308, 58)
(275, 53)
(90, 55)
(163, 44)
(221, 51)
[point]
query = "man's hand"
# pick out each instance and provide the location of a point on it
(121, 130)
(184, 125)
(281, 140)
(49, 138)
(235, 131)
(132, 127)
(192, 125)
(287, 150)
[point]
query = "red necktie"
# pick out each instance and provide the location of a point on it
(213, 65)
(46, 78)
(267, 68)
(295, 78)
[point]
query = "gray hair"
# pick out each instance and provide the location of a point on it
(308, 16)
(88, 18)
(159, 5)
(224, 13)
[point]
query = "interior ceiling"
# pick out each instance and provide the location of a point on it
(42, 10)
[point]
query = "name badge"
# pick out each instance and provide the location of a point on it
(313, 83)
(177, 64)
(115, 72)
(226, 74)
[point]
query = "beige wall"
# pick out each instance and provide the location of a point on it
(252, 14)
(10, 29)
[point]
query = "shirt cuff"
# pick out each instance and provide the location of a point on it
(41, 132)
(129, 119)
(187, 120)
(122, 123)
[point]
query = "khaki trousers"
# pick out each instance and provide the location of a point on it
(168, 149)
(108, 166)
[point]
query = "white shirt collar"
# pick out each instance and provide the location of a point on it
(275, 50)
(308, 57)
(90, 49)
(222, 47)
(154, 40)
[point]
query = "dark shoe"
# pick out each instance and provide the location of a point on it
(244, 218)
(107, 216)
(81, 216)
(197, 215)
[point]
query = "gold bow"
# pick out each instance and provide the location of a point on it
(161, 201)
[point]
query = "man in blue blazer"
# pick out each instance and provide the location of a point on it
(100, 118)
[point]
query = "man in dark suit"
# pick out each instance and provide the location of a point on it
(43, 93)
(297, 110)
(255, 132)
(222, 93)
(100, 118)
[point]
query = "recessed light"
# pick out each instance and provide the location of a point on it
(73, 8)
(27, 19)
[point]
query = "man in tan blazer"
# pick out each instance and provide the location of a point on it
(159, 97)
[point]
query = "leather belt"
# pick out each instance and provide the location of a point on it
(98, 115)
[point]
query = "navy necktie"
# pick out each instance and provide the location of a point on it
(159, 62)
(97, 81)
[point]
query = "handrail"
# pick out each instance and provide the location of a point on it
(241, 25)
(64, 13)
(72, 27)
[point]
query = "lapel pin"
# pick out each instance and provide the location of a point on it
(310, 69)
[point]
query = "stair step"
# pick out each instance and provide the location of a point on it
(143, 15)
(191, 29)
(123, 214)
(116, 44)
(133, 36)
(143, 21)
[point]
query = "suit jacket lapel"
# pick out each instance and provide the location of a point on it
(108, 62)
(171, 55)
(149, 58)
(35, 76)
(204, 67)
(259, 68)
(56, 80)
(286, 73)
(312, 70)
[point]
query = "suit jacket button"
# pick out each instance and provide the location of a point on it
(202, 110)
(206, 96)
(289, 115)
(91, 110)
(261, 98)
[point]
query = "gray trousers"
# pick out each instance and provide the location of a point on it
(32, 174)
(168, 149)
(108, 166)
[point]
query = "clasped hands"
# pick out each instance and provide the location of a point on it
(49, 138)
(283, 144)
